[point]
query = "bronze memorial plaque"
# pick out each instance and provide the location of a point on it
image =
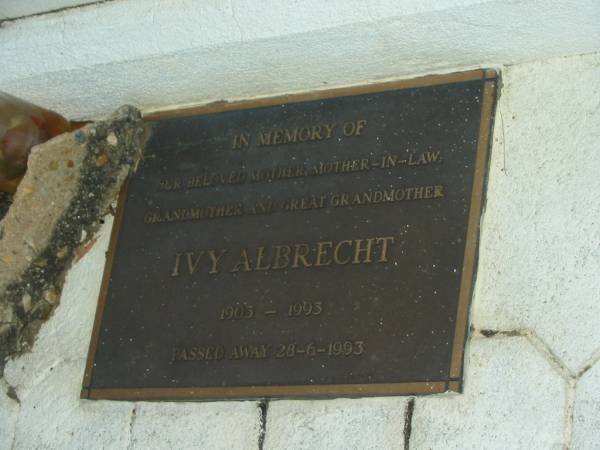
(312, 245)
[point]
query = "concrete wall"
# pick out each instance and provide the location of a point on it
(532, 366)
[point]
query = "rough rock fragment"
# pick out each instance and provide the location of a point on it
(62, 197)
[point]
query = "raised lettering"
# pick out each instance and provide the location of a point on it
(243, 262)
(215, 259)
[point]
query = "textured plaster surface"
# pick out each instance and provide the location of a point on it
(532, 384)
(154, 53)
(369, 423)
(539, 261)
(9, 409)
(513, 399)
(53, 416)
(586, 423)
(215, 426)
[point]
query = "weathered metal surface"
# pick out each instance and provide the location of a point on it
(307, 248)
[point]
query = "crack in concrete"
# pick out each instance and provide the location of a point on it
(130, 445)
(536, 342)
(53, 11)
(588, 365)
(488, 333)
(545, 350)
(408, 416)
(557, 364)
(569, 413)
(264, 407)
(14, 437)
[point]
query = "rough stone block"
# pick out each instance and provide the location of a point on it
(69, 184)
(210, 425)
(368, 423)
(513, 399)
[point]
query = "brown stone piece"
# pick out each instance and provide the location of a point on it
(69, 185)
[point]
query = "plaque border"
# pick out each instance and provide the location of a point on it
(454, 383)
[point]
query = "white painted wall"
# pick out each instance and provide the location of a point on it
(155, 53)
(533, 385)
(13, 9)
